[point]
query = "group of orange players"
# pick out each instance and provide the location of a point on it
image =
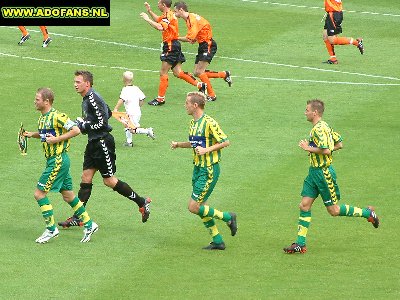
(199, 30)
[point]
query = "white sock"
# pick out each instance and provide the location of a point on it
(128, 136)
(142, 130)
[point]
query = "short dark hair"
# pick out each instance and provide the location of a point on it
(167, 3)
(197, 97)
(87, 76)
(181, 4)
(318, 105)
(47, 94)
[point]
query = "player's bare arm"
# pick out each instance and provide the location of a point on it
(306, 147)
(30, 134)
(118, 105)
(152, 23)
(200, 150)
(338, 146)
(51, 139)
(175, 145)
(152, 14)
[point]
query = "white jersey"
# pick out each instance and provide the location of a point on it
(131, 95)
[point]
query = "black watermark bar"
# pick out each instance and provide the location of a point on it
(55, 13)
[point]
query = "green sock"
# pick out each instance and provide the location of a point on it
(304, 223)
(209, 223)
(352, 211)
(47, 212)
(207, 211)
(80, 212)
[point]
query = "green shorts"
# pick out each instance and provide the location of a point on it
(56, 177)
(204, 180)
(321, 181)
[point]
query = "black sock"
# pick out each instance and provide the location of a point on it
(84, 192)
(125, 190)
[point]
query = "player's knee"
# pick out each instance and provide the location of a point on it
(193, 207)
(110, 181)
(304, 207)
(38, 194)
(333, 210)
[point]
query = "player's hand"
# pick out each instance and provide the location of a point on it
(145, 16)
(200, 150)
(79, 122)
(28, 134)
(174, 145)
(147, 5)
(304, 145)
(51, 139)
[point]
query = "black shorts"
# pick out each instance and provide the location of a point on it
(100, 155)
(206, 51)
(333, 23)
(172, 54)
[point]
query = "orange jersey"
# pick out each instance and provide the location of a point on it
(170, 24)
(333, 5)
(199, 29)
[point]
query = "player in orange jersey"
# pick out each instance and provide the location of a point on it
(26, 36)
(171, 56)
(199, 30)
(333, 22)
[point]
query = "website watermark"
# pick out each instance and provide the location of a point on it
(66, 13)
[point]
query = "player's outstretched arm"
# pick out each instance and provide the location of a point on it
(30, 134)
(74, 131)
(175, 145)
(152, 14)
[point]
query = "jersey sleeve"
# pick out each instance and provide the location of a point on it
(101, 114)
(217, 132)
(64, 121)
(320, 138)
(336, 137)
(123, 94)
(193, 27)
(163, 21)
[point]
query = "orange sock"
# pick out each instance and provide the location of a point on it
(43, 29)
(204, 78)
(342, 41)
(162, 89)
(330, 48)
(23, 30)
(188, 78)
(214, 74)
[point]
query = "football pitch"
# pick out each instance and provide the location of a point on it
(274, 51)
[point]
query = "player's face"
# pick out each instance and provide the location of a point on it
(81, 86)
(310, 115)
(160, 5)
(189, 107)
(178, 12)
(40, 104)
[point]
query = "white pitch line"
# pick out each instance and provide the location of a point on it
(75, 63)
(322, 81)
(153, 71)
(320, 8)
(311, 68)
(223, 57)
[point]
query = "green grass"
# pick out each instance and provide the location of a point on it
(262, 170)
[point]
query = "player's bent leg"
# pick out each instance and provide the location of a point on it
(333, 210)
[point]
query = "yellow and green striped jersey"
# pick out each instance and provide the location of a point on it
(55, 123)
(206, 132)
(322, 136)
